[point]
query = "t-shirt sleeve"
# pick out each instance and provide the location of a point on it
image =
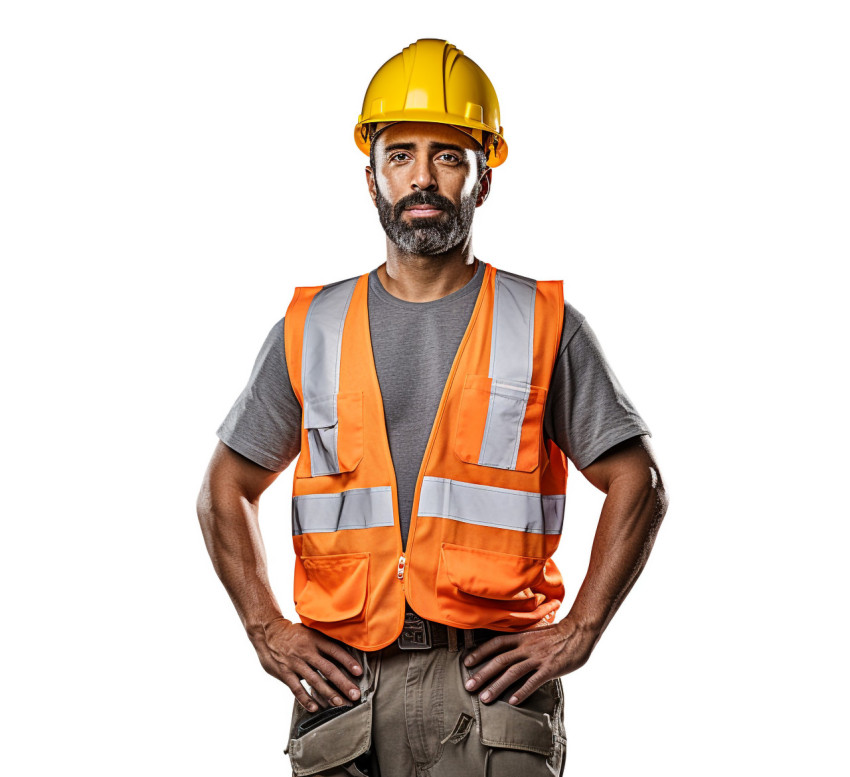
(264, 423)
(587, 411)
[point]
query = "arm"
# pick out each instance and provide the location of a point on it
(634, 506)
(228, 506)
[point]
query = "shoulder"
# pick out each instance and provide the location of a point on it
(573, 322)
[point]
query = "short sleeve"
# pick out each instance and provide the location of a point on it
(264, 423)
(587, 410)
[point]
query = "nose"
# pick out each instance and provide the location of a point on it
(423, 175)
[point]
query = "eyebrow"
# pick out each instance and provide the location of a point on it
(433, 145)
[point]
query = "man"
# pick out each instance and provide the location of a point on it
(433, 402)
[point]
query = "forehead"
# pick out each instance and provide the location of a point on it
(425, 133)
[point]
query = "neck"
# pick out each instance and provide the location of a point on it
(420, 278)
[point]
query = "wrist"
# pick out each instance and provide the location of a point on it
(584, 630)
(257, 629)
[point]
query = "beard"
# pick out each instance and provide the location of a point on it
(429, 235)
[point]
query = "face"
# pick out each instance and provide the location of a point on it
(425, 185)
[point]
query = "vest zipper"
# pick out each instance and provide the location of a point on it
(473, 319)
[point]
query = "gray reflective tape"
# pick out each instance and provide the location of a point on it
(511, 364)
(505, 414)
(357, 508)
(320, 363)
(502, 508)
(323, 451)
(512, 344)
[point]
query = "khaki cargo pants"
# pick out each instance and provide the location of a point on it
(415, 719)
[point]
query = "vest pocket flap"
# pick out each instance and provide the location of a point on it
(336, 587)
(511, 726)
(320, 412)
(490, 574)
(334, 742)
(334, 426)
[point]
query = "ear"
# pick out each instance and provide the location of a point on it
(370, 182)
(486, 181)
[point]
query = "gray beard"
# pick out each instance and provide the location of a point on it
(430, 236)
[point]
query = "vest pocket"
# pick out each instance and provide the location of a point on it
(500, 423)
(487, 574)
(336, 587)
(334, 426)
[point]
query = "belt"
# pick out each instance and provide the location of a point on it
(421, 634)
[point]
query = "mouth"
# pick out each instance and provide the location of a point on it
(423, 210)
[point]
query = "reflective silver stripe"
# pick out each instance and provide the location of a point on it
(502, 508)
(320, 359)
(511, 364)
(357, 508)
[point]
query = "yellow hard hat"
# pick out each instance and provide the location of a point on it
(432, 80)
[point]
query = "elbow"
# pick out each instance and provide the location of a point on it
(204, 507)
(658, 495)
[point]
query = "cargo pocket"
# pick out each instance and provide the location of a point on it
(334, 743)
(521, 738)
(333, 747)
(500, 424)
(475, 575)
(336, 589)
(334, 426)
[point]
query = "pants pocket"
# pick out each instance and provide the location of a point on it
(332, 747)
(334, 743)
(526, 738)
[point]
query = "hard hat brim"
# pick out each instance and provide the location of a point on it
(497, 153)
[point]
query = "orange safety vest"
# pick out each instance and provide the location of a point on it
(489, 501)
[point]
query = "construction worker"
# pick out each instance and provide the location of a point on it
(432, 403)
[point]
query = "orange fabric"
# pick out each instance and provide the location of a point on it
(461, 574)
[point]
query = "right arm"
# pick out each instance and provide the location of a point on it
(228, 508)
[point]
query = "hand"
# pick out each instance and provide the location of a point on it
(292, 651)
(548, 652)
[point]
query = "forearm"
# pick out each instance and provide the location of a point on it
(631, 516)
(230, 525)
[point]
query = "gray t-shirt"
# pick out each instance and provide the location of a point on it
(414, 344)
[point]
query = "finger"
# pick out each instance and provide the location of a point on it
(311, 681)
(506, 679)
(494, 667)
(338, 677)
(340, 654)
(317, 697)
(319, 683)
(292, 681)
(489, 648)
(529, 687)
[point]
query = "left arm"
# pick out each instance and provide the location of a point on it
(634, 506)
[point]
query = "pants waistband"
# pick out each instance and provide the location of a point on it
(422, 634)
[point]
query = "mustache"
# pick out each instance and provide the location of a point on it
(423, 198)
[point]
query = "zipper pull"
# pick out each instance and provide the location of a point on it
(401, 566)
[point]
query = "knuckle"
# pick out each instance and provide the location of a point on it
(502, 659)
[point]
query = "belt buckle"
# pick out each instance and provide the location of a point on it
(416, 634)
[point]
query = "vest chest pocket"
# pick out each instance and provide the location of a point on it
(500, 423)
(334, 427)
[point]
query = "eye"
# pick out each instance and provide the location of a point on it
(396, 155)
(452, 157)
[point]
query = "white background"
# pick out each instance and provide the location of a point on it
(171, 170)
